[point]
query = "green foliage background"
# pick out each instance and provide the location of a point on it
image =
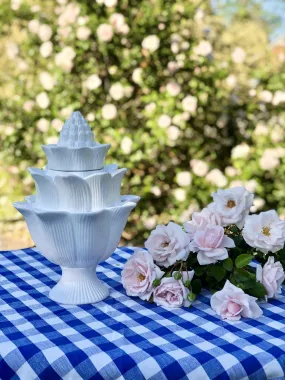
(236, 129)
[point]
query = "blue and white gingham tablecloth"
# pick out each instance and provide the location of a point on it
(122, 337)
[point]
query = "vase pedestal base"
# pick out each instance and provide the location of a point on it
(79, 286)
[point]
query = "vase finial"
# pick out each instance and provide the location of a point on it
(76, 132)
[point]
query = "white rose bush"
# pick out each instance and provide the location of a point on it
(186, 102)
(238, 256)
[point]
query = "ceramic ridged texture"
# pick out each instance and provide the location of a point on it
(111, 168)
(74, 193)
(76, 133)
(79, 286)
(71, 159)
(76, 149)
(76, 240)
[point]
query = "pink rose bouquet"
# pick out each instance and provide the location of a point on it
(217, 250)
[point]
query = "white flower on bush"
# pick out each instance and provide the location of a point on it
(109, 112)
(200, 220)
(126, 145)
(277, 134)
(199, 167)
(189, 103)
(57, 124)
(69, 15)
(211, 244)
(232, 303)
(15, 4)
(251, 185)
(164, 121)
(105, 32)
(117, 20)
(265, 232)
(230, 171)
(204, 48)
(12, 50)
(179, 195)
(217, 178)
(232, 205)
(238, 55)
(156, 191)
(139, 273)
(150, 222)
(279, 97)
(172, 66)
(173, 88)
(240, 151)
(83, 33)
(28, 105)
(47, 80)
(66, 112)
(137, 75)
(168, 244)
(184, 179)
(149, 108)
(231, 81)
(44, 32)
(269, 160)
(110, 3)
(43, 125)
(117, 91)
(173, 293)
(46, 49)
(261, 130)
(93, 82)
(34, 26)
(258, 204)
(271, 276)
(42, 100)
(151, 43)
(236, 183)
(173, 133)
(64, 59)
(52, 140)
(265, 96)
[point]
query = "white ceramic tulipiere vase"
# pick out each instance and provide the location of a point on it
(77, 216)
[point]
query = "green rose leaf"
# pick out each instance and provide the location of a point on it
(258, 290)
(242, 275)
(281, 253)
(243, 260)
(211, 282)
(199, 271)
(192, 260)
(228, 264)
(196, 286)
(218, 272)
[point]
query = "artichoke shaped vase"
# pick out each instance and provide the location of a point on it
(77, 216)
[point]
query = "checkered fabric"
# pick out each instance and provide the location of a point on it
(122, 337)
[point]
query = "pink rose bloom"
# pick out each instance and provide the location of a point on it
(211, 244)
(271, 276)
(172, 293)
(232, 205)
(200, 220)
(232, 303)
(168, 244)
(139, 273)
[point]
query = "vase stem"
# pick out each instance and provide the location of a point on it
(79, 286)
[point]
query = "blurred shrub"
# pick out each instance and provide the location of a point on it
(186, 103)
